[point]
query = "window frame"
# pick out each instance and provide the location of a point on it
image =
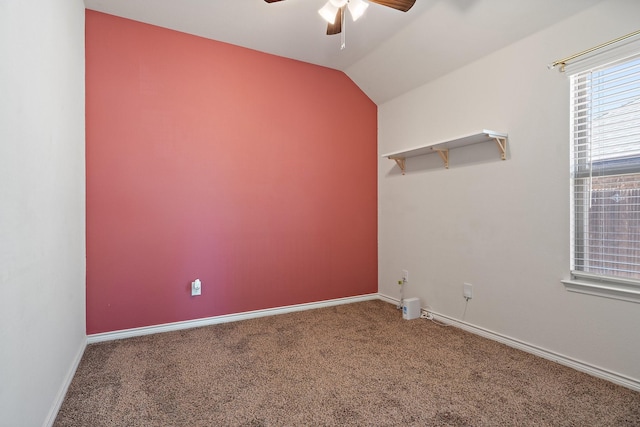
(619, 288)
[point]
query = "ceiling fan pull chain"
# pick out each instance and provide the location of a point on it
(343, 34)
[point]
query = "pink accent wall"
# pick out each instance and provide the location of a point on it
(254, 173)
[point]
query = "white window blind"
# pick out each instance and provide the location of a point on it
(605, 178)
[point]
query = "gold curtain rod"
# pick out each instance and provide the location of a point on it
(562, 62)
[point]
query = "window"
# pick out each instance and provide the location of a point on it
(605, 180)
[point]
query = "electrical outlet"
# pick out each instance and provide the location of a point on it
(467, 291)
(196, 287)
(405, 276)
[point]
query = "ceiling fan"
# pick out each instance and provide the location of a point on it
(333, 11)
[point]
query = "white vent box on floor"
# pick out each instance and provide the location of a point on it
(411, 308)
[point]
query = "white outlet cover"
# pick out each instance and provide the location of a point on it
(196, 287)
(467, 290)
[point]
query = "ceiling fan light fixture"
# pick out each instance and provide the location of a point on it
(329, 12)
(357, 8)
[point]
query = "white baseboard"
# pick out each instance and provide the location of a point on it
(53, 412)
(535, 350)
(196, 323)
(388, 299)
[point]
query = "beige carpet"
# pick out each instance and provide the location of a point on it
(357, 364)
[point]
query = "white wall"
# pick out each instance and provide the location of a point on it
(502, 226)
(42, 205)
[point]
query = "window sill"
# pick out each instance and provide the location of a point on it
(619, 291)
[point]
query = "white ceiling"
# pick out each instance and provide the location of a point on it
(387, 52)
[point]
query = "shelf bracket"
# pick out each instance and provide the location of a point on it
(502, 146)
(400, 161)
(444, 155)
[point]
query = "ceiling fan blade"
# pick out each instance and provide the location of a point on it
(336, 27)
(272, 1)
(403, 5)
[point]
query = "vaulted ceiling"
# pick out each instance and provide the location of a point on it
(387, 52)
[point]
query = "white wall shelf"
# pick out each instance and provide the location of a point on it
(443, 147)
